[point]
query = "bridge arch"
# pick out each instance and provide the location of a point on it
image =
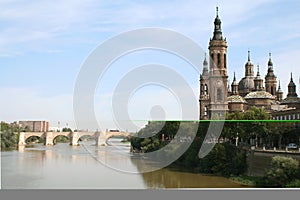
(109, 135)
(100, 138)
(66, 136)
(76, 136)
(24, 136)
(39, 137)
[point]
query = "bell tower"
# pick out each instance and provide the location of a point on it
(292, 88)
(279, 93)
(204, 91)
(218, 79)
(270, 79)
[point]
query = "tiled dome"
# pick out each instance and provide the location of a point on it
(236, 99)
(259, 95)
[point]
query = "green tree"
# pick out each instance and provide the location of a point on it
(65, 129)
(9, 136)
(283, 171)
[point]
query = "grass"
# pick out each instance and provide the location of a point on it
(253, 181)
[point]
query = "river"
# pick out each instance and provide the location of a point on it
(75, 167)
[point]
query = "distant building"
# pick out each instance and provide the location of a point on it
(35, 126)
(55, 129)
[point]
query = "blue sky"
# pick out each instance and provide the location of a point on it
(44, 43)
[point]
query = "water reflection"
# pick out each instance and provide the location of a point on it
(166, 178)
(81, 167)
(64, 167)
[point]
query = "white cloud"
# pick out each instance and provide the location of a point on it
(39, 21)
(27, 104)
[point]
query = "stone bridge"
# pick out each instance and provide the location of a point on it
(100, 137)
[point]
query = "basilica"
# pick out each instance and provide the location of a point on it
(217, 96)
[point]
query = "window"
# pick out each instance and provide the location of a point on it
(272, 90)
(205, 89)
(202, 89)
(219, 94)
(225, 60)
(205, 111)
(212, 60)
(219, 60)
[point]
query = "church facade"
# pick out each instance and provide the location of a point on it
(218, 97)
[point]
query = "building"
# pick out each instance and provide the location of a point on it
(216, 98)
(35, 126)
(213, 82)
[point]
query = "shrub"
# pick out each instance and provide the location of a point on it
(225, 159)
(294, 184)
(283, 171)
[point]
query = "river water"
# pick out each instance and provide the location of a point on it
(67, 167)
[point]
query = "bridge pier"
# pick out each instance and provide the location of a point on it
(49, 138)
(22, 139)
(74, 139)
(101, 139)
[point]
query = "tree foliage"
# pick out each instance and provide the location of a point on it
(283, 171)
(9, 136)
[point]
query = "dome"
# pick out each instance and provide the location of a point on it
(217, 21)
(236, 99)
(247, 83)
(259, 95)
(270, 63)
(291, 84)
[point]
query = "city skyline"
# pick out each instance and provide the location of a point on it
(43, 45)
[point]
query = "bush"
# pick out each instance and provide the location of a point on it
(282, 172)
(225, 159)
(9, 140)
(294, 184)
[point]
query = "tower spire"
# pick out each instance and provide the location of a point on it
(279, 93)
(248, 55)
(258, 70)
(270, 63)
(292, 88)
(205, 66)
(234, 85)
(217, 31)
(205, 63)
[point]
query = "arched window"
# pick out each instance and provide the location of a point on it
(225, 60)
(272, 90)
(205, 111)
(205, 89)
(202, 89)
(219, 94)
(219, 60)
(212, 60)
